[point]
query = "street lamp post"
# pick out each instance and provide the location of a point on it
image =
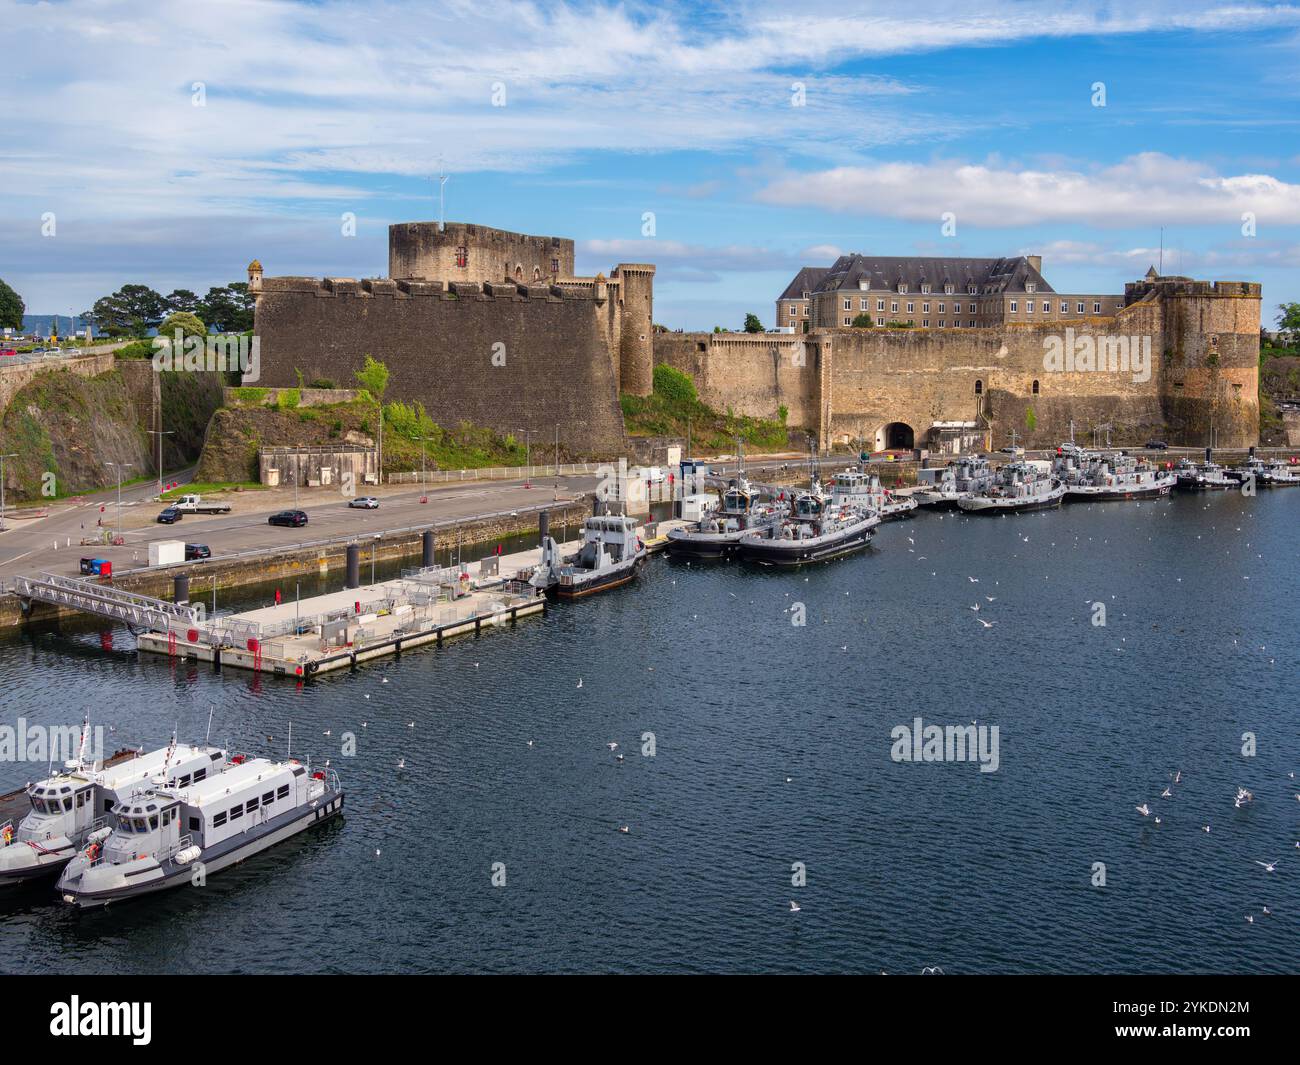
(527, 448)
(11, 455)
(120, 466)
(160, 433)
(423, 488)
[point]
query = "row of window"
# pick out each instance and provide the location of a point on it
(462, 260)
(925, 323)
(199, 774)
(141, 825)
(1065, 307)
(238, 811)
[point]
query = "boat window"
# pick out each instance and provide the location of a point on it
(153, 821)
(282, 792)
(236, 813)
(268, 798)
(185, 781)
(81, 799)
(251, 805)
(200, 774)
(195, 824)
(141, 827)
(124, 825)
(67, 803)
(219, 820)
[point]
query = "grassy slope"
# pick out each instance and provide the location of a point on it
(674, 406)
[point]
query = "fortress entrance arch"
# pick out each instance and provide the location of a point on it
(895, 436)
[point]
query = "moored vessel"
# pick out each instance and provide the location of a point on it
(942, 488)
(1106, 477)
(164, 834)
(814, 531)
(853, 487)
(718, 532)
(1018, 486)
(1207, 476)
(73, 806)
(609, 557)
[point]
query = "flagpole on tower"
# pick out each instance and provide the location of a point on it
(443, 178)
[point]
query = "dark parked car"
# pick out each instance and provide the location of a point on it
(195, 552)
(170, 516)
(295, 519)
(1157, 445)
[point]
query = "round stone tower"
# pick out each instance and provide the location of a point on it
(636, 327)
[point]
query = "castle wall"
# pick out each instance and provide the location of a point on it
(1199, 344)
(750, 373)
(636, 327)
(552, 366)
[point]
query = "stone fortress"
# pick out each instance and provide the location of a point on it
(478, 324)
(492, 327)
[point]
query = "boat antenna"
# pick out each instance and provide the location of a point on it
(208, 735)
(85, 733)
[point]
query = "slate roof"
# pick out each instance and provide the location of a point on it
(806, 280)
(886, 273)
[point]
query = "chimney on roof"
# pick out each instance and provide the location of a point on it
(1036, 261)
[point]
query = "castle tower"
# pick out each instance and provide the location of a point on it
(1208, 357)
(255, 278)
(636, 328)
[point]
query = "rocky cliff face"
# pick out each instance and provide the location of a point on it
(66, 429)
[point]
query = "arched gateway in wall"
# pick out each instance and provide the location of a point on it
(895, 436)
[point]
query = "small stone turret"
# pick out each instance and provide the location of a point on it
(255, 277)
(636, 327)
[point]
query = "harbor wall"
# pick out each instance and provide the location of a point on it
(288, 565)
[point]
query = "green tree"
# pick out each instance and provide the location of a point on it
(188, 324)
(12, 308)
(130, 311)
(862, 321)
(1288, 320)
(752, 324)
(229, 308)
(373, 377)
(183, 300)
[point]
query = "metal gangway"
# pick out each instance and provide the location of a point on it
(137, 611)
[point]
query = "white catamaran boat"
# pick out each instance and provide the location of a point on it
(1019, 486)
(72, 808)
(162, 833)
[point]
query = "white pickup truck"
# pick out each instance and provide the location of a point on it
(193, 504)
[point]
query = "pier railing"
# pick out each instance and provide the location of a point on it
(496, 473)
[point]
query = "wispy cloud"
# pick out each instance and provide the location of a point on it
(1146, 188)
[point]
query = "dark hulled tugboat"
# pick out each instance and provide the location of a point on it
(815, 531)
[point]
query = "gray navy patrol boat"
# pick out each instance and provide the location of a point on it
(718, 532)
(815, 531)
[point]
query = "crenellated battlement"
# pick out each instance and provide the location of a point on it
(595, 290)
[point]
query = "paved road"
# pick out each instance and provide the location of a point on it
(27, 546)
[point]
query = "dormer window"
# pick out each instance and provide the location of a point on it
(925, 290)
(1031, 286)
(902, 286)
(947, 290)
(971, 290)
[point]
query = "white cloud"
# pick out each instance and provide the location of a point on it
(1141, 190)
(821, 254)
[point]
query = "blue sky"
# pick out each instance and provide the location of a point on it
(313, 110)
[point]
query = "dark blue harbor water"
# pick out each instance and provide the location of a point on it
(908, 865)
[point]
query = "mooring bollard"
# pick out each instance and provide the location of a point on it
(426, 549)
(354, 566)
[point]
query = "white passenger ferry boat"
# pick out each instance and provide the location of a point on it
(163, 833)
(74, 807)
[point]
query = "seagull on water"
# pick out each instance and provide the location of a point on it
(1144, 810)
(612, 745)
(1269, 867)
(986, 624)
(794, 906)
(579, 682)
(401, 763)
(624, 829)
(973, 580)
(1166, 794)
